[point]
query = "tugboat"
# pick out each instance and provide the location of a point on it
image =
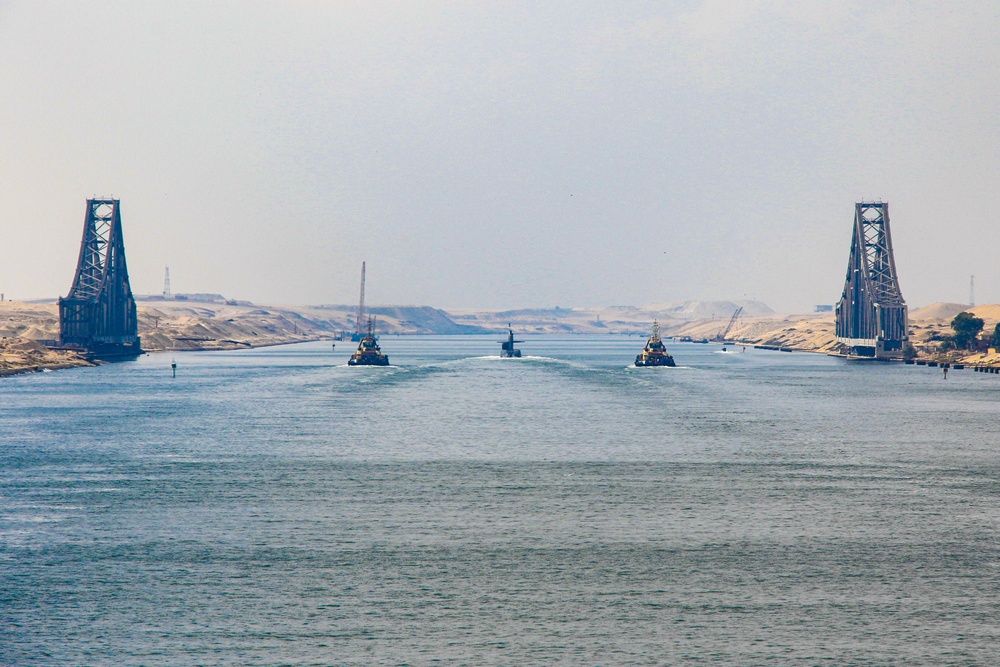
(654, 354)
(507, 350)
(369, 353)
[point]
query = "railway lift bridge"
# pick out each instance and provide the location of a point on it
(872, 314)
(99, 315)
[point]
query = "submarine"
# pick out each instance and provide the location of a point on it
(507, 349)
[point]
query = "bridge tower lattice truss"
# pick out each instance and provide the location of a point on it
(99, 313)
(871, 314)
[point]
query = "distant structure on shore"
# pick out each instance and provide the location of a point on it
(871, 314)
(166, 282)
(99, 314)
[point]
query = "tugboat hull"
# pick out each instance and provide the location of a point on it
(666, 360)
(369, 360)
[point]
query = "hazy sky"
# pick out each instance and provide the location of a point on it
(503, 154)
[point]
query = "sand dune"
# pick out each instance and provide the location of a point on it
(938, 311)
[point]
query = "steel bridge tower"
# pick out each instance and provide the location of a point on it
(871, 314)
(99, 313)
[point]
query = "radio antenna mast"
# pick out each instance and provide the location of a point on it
(166, 282)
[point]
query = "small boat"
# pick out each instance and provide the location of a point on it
(369, 353)
(654, 354)
(507, 350)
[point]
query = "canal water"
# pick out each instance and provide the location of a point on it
(275, 507)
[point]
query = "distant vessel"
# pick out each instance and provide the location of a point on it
(654, 354)
(369, 353)
(507, 350)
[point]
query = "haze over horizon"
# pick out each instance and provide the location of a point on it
(504, 155)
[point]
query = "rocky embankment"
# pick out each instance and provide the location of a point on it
(23, 355)
(21, 324)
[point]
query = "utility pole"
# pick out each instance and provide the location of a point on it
(972, 291)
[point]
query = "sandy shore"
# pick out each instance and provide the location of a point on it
(188, 325)
(22, 355)
(816, 332)
(20, 325)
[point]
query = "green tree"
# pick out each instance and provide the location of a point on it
(995, 340)
(966, 326)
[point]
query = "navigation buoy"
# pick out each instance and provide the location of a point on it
(173, 367)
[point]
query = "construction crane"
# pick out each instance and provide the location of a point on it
(721, 336)
(359, 330)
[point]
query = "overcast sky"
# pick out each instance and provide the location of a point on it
(502, 154)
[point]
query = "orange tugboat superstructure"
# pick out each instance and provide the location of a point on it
(655, 353)
(369, 353)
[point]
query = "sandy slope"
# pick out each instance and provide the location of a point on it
(22, 355)
(189, 325)
(813, 333)
(169, 326)
(209, 326)
(192, 325)
(816, 333)
(20, 325)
